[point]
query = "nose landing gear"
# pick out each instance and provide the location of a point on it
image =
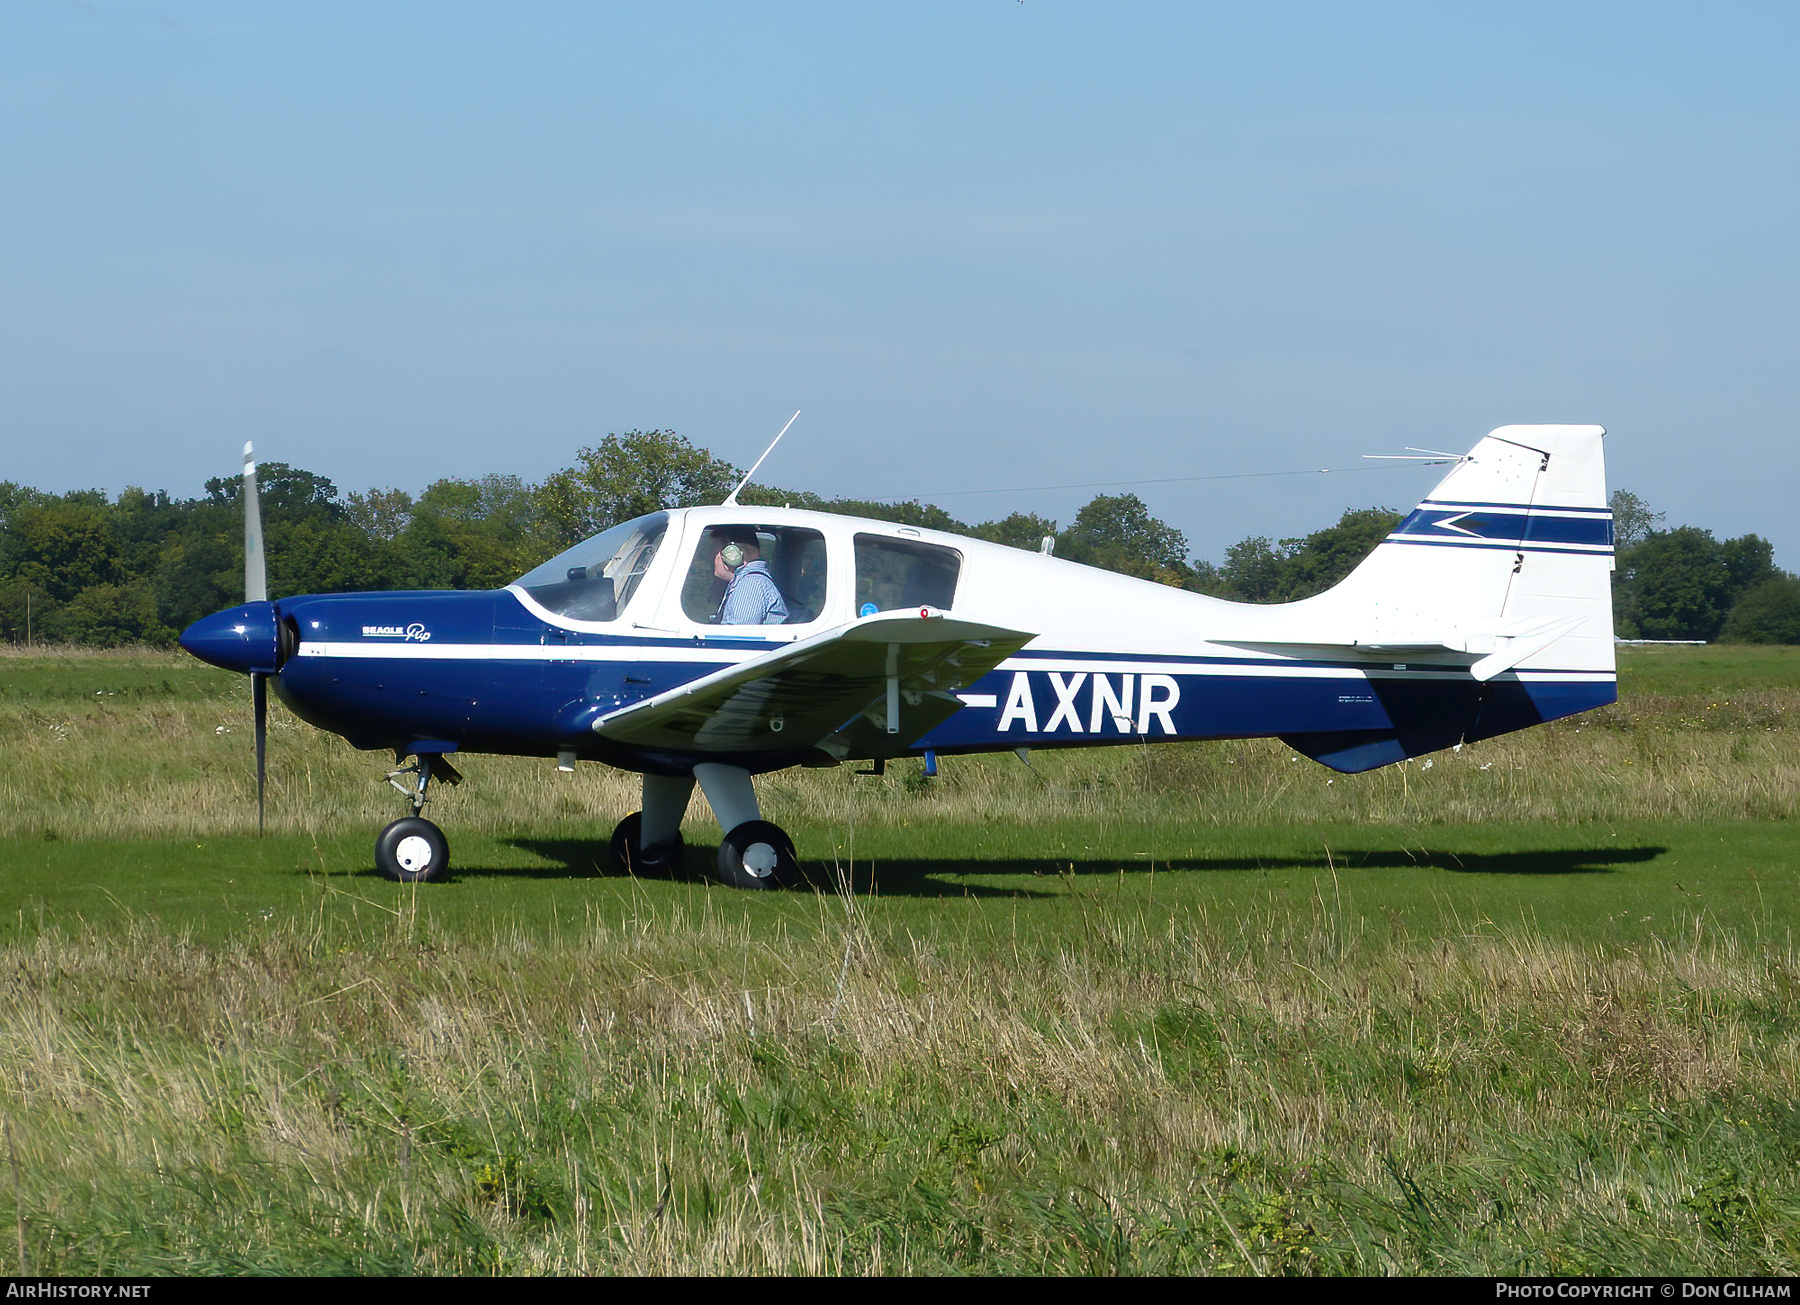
(413, 850)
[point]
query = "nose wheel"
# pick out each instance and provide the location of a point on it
(413, 850)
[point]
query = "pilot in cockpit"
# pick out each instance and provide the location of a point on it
(751, 594)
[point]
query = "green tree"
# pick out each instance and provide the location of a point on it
(1681, 583)
(1024, 530)
(1117, 532)
(24, 607)
(14, 496)
(200, 569)
(1749, 561)
(62, 547)
(142, 523)
(1767, 613)
(107, 615)
(380, 513)
(908, 512)
(1255, 570)
(1676, 585)
(1318, 561)
(476, 534)
(1258, 571)
(284, 493)
(626, 476)
(1632, 519)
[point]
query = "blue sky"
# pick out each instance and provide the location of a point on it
(982, 245)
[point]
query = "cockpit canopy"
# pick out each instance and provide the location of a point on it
(843, 569)
(596, 578)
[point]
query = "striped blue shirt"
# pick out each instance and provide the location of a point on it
(752, 598)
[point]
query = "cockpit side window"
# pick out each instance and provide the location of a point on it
(594, 580)
(895, 573)
(792, 557)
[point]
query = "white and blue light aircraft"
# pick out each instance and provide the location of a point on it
(1486, 610)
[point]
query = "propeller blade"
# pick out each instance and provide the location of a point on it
(259, 696)
(256, 575)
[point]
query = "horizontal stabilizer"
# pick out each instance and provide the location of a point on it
(1517, 646)
(1497, 647)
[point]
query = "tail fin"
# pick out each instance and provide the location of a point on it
(1509, 559)
(1510, 556)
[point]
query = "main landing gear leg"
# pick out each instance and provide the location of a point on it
(753, 853)
(649, 841)
(414, 850)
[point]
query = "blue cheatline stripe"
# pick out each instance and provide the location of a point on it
(1019, 709)
(1569, 530)
(1509, 527)
(1515, 507)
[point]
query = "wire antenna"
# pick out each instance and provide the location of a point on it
(1163, 480)
(731, 498)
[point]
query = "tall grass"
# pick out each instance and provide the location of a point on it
(173, 758)
(843, 1083)
(675, 1093)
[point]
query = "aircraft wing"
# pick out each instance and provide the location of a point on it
(833, 691)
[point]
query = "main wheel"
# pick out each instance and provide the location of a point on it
(633, 858)
(412, 851)
(757, 854)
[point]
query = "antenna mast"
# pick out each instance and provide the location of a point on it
(731, 498)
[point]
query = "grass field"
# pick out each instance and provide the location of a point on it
(1531, 1008)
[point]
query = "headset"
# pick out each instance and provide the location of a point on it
(732, 555)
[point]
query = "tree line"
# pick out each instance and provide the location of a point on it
(87, 568)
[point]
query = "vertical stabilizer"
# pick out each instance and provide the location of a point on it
(1505, 569)
(1509, 557)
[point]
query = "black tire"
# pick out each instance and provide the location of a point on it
(413, 851)
(753, 842)
(634, 859)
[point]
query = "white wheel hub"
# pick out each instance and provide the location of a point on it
(413, 854)
(760, 859)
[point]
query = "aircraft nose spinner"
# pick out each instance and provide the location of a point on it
(243, 639)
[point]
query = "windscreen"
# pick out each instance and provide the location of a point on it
(595, 579)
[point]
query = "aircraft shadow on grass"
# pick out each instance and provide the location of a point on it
(959, 877)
